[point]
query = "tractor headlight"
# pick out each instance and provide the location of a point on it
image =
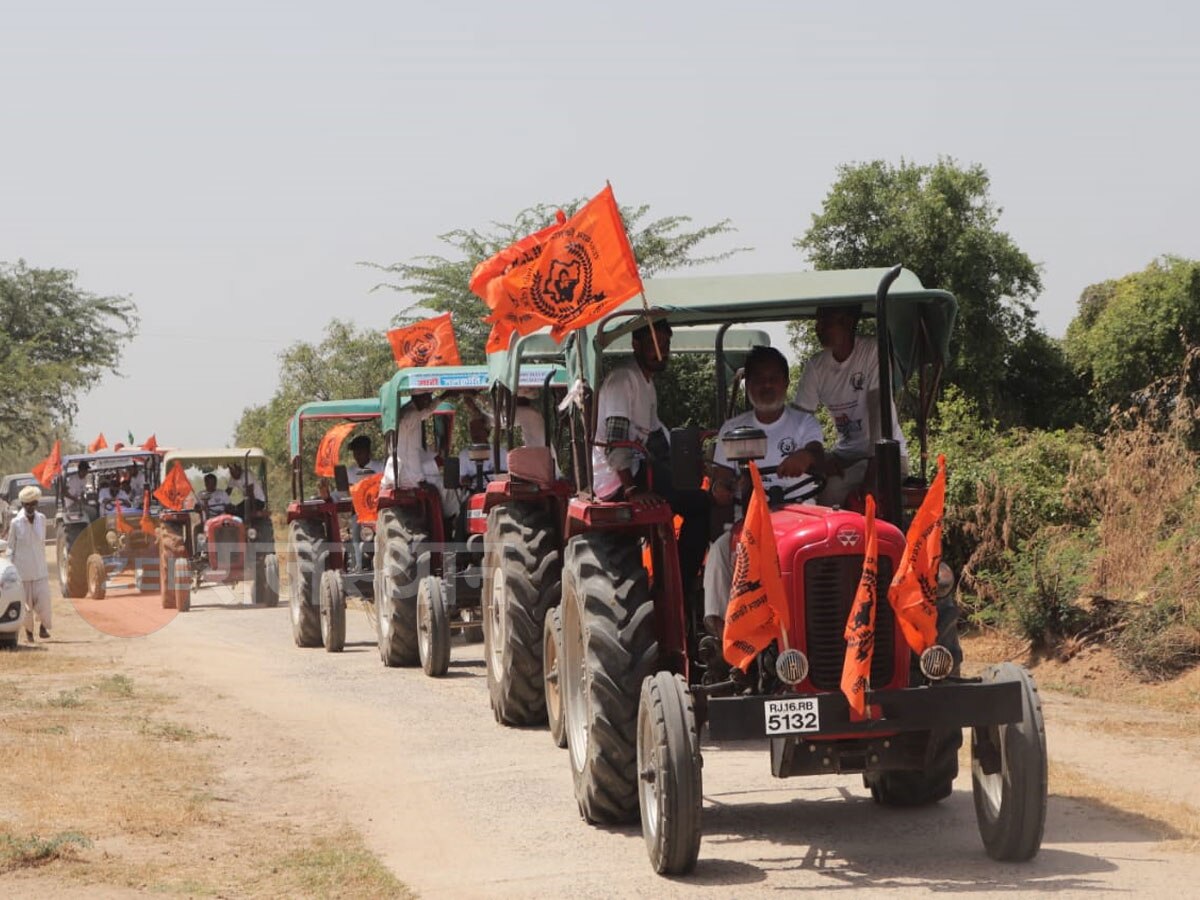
(936, 662)
(251, 534)
(791, 666)
(744, 444)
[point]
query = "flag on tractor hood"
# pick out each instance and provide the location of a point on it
(175, 489)
(566, 276)
(119, 519)
(98, 444)
(364, 495)
(427, 343)
(147, 523)
(758, 609)
(50, 467)
(913, 592)
(860, 626)
(331, 446)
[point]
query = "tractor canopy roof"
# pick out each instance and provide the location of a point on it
(219, 456)
(363, 409)
(107, 460)
(395, 394)
(512, 367)
(920, 320)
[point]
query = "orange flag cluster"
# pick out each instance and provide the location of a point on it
(330, 447)
(565, 276)
(427, 343)
(913, 592)
(364, 495)
(758, 610)
(175, 489)
(860, 626)
(50, 467)
(122, 526)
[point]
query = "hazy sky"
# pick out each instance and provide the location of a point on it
(226, 165)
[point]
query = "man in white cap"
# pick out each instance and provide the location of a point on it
(27, 550)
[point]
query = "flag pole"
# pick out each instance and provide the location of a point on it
(645, 302)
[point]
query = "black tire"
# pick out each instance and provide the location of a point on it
(935, 783)
(306, 541)
(399, 538)
(8, 641)
(670, 787)
(1009, 775)
(71, 560)
(522, 579)
(97, 577)
(181, 571)
(433, 627)
(609, 648)
(333, 611)
(266, 580)
(552, 677)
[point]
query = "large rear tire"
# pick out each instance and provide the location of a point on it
(609, 648)
(433, 627)
(522, 580)
(552, 677)
(333, 611)
(306, 542)
(1009, 775)
(936, 782)
(670, 791)
(399, 540)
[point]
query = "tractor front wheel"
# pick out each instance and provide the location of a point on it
(97, 577)
(552, 677)
(433, 627)
(333, 611)
(670, 792)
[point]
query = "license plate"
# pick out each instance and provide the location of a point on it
(794, 715)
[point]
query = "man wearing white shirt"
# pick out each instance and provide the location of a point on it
(246, 483)
(794, 448)
(480, 434)
(75, 487)
(844, 378)
(27, 550)
(110, 495)
(364, 467)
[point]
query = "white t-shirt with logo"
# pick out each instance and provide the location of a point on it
(629, 394)
(794, 430)
(845, 388)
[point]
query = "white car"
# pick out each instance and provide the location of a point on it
(11, 598)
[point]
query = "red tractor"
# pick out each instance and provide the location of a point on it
(635, 699)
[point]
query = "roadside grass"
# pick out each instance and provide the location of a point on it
(337, 866)
(18, 852)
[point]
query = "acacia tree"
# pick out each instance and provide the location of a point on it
(439, 283)
(1132, 330)
(940, 222)
(56, 340)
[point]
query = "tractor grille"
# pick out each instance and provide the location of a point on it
(829, 586)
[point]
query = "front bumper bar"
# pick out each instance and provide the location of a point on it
(948, 704)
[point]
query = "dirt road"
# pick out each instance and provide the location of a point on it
(458, 806)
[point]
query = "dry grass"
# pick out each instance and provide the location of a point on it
(1175, 823)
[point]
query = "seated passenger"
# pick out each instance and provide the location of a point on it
(213, 501)
(112, 493)
(75, 487)
(245, 483)
(136, 481)
(364, 466)
(793, 449)
(480, 433)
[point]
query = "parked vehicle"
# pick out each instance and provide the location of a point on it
(12, 599)
(10, 488)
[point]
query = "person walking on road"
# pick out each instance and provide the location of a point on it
(27, 550)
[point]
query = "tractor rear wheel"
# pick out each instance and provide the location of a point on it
(399, 542)
(306, 542)
(522, 578)
(333, 611)
(610, 646)
(552, 676)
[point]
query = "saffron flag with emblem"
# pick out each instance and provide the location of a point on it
(565, 276)
(151, 443)
(758, 611)
(98, 444)
(330, 448)
(147, 523)
(121, 525)
(175, 489)
(364, 495)
(427, 343)
(860, 626)
(913, 592)
(50, 467)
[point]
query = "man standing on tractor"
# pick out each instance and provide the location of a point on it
(27, 550)
(75, 487)
(628, 412)
(844, 378)
(794, 449)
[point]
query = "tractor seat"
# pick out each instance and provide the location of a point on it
(534, 464)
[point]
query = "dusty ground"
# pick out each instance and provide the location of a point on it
(304, 746)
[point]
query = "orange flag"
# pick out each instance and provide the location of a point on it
(50, 467)
(331, 446)
(98, 444)
(121, 525)
(565, 276)
(427, 343)
(758, 611)
(913, 592)
(151, 444)
(147, 523)
(175, 489)
(860, 626)
(364, 495)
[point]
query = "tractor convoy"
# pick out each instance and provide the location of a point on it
(590, 619)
